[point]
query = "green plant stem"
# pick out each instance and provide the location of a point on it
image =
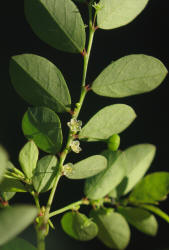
(69, 207)
(41, 241)
(87, 54)
(36, 199)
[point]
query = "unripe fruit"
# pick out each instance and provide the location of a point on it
(113, 142)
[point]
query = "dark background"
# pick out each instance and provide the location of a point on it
(147, 34)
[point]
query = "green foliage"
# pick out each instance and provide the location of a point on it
(6, 196)
(78, 226)
(116, 13)
(130, 75)
(59, 23)
(110, 120)
(39, 82)
(101, 184)
(86, 168)
(140, 219)
(3, 162)
(151, 189)
(138, 160)
(18, 244)
(45, 173)
(12, 185)
(109, 176)
(14, 220)
(43, 126)
(156, 211)
(28, 157)
(114, 231)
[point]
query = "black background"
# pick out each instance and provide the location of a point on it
(147, 34)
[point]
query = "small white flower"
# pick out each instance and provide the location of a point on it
(75, 125)
(75, 146)
(67, 168)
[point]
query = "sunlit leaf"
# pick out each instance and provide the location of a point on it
(153, 188)
(101, 184)
(39, 82)
(116, 13)
(140, 219)
(114, 231)
(110, 120)
(58, 23)
(28, 157)
(138, 160)
(87, 167)
(130, 75)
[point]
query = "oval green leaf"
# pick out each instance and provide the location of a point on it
(84, 227)
(140, 219)
(45, 173)
(138, 161)
(114, 231)
(12, 185)
(67, 224)
(43, 126)
(18, 244)
(28, 157)
(79, 226)
(3, 162)
(110, 120)
(130, 75)
(39, 82)
(151, 189)
(98, 186)
(59, 23)
(116, 13)
(87, 167)
(14, 220)
(157, 211)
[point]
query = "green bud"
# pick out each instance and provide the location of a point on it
(114, 142)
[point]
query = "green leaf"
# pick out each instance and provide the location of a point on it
(84, 227)
(59, 23)
(28, 157)
(67, 224)
(18, 244)
(12, 185)
(45, 173)
(43, 126)
(153, 188)
(110, 120)
(140, 219)
(116, 13)
(130, 75)
(14, 220)
(98, 186)
(114, 231)
(157, 211)
(6, 196)
(3, 162)
(87, 167)
(138, 160)
(39, 82)
(78, 226)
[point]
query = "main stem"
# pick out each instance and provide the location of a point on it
(40, 235)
